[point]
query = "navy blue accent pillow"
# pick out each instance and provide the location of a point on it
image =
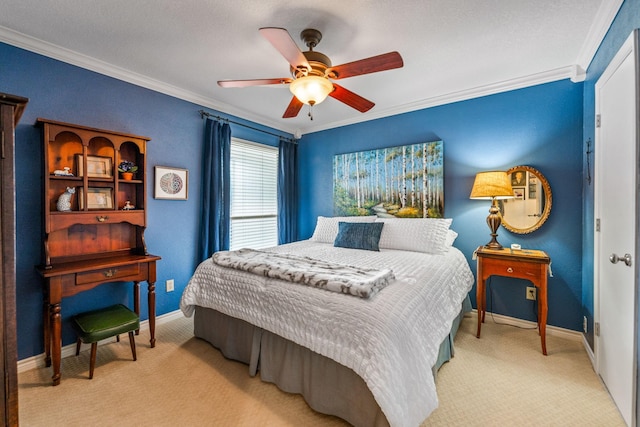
(359, 235)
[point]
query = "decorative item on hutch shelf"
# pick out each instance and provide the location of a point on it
(127, 169)
(170, 183)
(97, 166)
(65, 171)
(64, 201)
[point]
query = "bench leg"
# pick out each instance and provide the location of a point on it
(92, 364)
(132, 342)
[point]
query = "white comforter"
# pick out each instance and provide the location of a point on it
(391, 340)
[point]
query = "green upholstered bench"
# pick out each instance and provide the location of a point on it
(96, 325)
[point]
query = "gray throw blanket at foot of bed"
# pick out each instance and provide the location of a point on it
(346, 279)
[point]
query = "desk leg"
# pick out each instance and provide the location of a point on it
(136, 301)
(480, 302)
(46, 317)
(484, 299)
(539, 304)
(56, 341)
(542, 313)
(152, 313)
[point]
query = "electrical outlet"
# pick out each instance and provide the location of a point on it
(584, 324)
(531, 292)
(169, 285)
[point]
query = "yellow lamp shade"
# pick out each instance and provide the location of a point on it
(492, 185)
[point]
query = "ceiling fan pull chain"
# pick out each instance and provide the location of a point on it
(310, 115)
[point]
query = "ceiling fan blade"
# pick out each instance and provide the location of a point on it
(374, 64)
(282, 41)
(254, 82)
(351, 99)
(293, 109)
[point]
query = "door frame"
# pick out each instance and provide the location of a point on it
(629, 47)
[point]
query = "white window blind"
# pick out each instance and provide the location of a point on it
(254, 195)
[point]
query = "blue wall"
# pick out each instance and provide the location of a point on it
(67, 93)
(539, 126)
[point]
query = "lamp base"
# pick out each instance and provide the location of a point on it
(493, 244)
(493, 221)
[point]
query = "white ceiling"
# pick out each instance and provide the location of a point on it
(452, 49)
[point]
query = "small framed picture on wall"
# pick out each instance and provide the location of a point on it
(519, 193)
(170, 183)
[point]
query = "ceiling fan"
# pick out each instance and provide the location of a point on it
(312, 72)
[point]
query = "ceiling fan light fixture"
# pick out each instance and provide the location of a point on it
(311, 90)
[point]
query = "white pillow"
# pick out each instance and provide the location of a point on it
(327, 227)
(428, 235)
(451, 237)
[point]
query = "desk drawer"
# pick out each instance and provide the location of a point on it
(510, 268)
(107, 274)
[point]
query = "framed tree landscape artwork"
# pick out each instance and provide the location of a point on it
(404, 182)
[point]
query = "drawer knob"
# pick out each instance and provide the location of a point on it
(110, 273)
(102, 218)
(509, 270)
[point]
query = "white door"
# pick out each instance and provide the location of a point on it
(615, 211)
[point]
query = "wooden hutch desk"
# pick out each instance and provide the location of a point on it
(97, 236)
(532, 265)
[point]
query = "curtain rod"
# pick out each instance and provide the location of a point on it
(204, 113)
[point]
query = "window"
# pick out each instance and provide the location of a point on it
(254, 195)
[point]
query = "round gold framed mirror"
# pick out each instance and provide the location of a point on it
(532, 203)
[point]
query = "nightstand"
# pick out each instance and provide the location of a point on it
(532, 265)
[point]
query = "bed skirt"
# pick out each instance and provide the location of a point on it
(327, 386)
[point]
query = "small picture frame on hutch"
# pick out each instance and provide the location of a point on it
(171, 183)
(97, 198)
(97, 166)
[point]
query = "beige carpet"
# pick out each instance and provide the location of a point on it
(501, 379)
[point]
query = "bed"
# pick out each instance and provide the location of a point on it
(369, 360)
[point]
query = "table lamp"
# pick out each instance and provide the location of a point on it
(492, 185)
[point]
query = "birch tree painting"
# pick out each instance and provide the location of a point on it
(403, 182)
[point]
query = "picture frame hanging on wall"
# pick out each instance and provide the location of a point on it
(170, 183)
(403, 181)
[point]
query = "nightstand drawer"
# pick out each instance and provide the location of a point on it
(511, 268)
(106, 274)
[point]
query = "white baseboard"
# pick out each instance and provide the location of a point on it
(70, 350)
(551, 330)
(589, 350)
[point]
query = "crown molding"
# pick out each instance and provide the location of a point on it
(68, 56)
(532, 80)
(599, 27)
